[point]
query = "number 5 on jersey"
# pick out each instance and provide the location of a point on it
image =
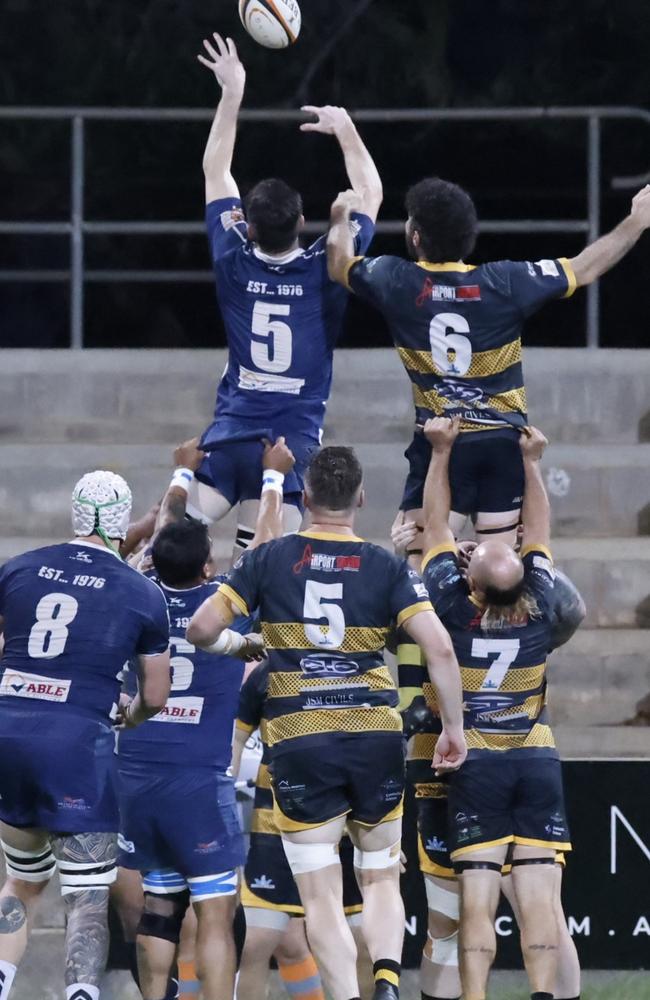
(273, 352)
(319, 598)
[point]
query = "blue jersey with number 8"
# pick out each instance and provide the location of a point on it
(283, 317)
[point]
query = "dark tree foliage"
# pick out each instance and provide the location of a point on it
(360, 53)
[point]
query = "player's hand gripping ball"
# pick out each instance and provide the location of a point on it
(275, 24)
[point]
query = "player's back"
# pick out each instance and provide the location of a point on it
(458, 327)
(73, 614)
(326, 602)
(195, 726)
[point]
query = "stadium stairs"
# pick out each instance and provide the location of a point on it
(62, 414)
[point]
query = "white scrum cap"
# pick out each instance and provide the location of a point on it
(101, 504)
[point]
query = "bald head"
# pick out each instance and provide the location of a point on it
(496, 572)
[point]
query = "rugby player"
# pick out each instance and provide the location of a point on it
(281, 312)
(510, 790)
(458, 328)
(71, 615)
(327, 600)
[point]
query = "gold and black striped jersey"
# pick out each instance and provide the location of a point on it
(327, 602)
(457, 329)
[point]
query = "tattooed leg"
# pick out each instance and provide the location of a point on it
(87, 867)
(24, 852)
(535, 890)
(479, 898)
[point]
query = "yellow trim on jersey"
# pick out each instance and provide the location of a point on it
(347, 268)
(451, 265)
(570, 276)
(409, 653)
(287, 825)
(552, 844)
(536, 548)
(431, 790)
(516, 678)
(396, 813)
(231, 595)
(459, 852)
(438, 550)
(503, 402)
(406, 697)
(413, 609)
(328, 536)
(243, 727)
(539, 736)
(429, 867)
(477, 604)
(248, 898)
(430, 696)
(483, 363)
(263, 779)
(290, 683)
(422, 746)
(291, 635)
(318, 721)
(263, 821)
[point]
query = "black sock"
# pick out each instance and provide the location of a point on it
(428, 996)
(541, 996)
(239, 932)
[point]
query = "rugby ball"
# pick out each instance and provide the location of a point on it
(275, 24)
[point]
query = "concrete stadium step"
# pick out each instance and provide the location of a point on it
(613, 576)
(576, 742)
(575, 395)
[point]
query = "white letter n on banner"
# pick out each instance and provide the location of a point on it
(617, 814)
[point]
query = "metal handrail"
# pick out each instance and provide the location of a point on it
(77, 227)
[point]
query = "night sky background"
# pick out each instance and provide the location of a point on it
(359, 53)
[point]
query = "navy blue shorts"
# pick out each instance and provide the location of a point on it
(359, 776)
(486, 472)
(234, 467)
(505, 798)
(179, 818)
(57, 773)
(433, 827)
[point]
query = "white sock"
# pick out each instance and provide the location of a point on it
(81, 991)
(7, 973)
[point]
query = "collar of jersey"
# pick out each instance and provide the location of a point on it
(184, 590)
(329, 536)
(282, 258)
(452, 265)
(94, 545)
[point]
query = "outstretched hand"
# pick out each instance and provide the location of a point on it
(346, 202)
(330, 120)
(225, 63)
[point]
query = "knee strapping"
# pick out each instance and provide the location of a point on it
(377, 860)
(476, 866)
(444, 951)
(441, 900)
(304, 858)
(244, 536)
(83, 876)
(29, 866)
(165, 926)
(520, 862)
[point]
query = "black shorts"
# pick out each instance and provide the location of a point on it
(504, 799)
(361, 777)
(433, 827)
(486, 472)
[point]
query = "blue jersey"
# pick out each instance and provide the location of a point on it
(283, 317)
(457, 329)
(73, 615)
(195, 727)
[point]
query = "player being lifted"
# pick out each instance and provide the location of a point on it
(327, 600)
(281, 312)
(457, 328)
(71, 614)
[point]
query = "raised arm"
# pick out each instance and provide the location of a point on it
(224, 62)
(278, 461)
(602, 255)
(440, 432)
(433, 639)
(187, 459)
(536, 510)
(362, 173)
(340, 241)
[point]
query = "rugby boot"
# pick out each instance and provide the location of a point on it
(385, 991)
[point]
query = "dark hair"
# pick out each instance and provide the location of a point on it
(180, 551)
(334, 477)
(504, 598)
(274, 209)
(445, 217)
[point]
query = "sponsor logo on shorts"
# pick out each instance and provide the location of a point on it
(328, 666)
(435, 844)
(187, 710)
(17, 684)
(432, 292)
(325, 563)
(76, 805)
(125, 845)
(262, 882)
(208, 848)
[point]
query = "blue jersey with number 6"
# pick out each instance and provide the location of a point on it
(73, 614)
(283, 317)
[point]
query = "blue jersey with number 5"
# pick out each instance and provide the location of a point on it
(283, 317)
(73, 614)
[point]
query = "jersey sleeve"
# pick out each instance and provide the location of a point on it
(539, 575)
(408, 594)
(443, 579)
(363, 230)
(226, 227)
(568, 609)
(532, 284)
(154, 637)
(252, 698)
(241, 586)
(373, 278)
